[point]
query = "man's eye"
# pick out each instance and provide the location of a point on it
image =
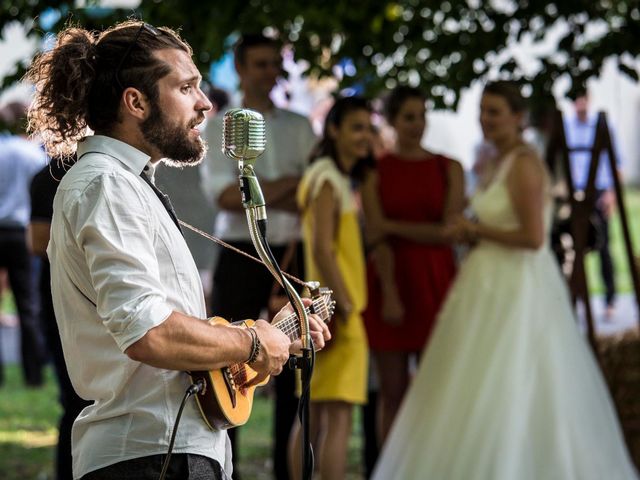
(186, 88)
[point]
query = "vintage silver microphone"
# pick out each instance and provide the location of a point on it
(243, 139)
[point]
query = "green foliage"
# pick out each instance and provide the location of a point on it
(440, 45)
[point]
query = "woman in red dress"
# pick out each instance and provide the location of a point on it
(408, 202)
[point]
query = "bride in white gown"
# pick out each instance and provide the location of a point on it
(507, 388)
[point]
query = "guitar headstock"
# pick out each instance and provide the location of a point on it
(323, 304)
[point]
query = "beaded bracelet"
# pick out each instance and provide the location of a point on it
(255, 345)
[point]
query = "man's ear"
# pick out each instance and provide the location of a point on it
(135, 103)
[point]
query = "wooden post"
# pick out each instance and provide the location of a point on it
(622, 211)
(582, 207)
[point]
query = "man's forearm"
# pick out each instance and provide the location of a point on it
(182, 342)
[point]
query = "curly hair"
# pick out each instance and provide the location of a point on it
(80, 81)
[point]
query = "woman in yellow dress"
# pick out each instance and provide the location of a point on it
(334, 255)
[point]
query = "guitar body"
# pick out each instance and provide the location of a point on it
(223, 403)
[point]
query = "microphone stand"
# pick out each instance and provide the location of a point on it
(254, 205)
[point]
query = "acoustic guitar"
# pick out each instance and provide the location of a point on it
(225, 402)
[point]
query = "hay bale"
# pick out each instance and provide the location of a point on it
(619, 357)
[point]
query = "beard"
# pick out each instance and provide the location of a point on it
(173, 141)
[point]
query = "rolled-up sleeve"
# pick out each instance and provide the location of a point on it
(114, 230)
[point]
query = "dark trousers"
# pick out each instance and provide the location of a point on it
(71, 403)
(182, 466)
(370, 445)
(15, 257)
(241, 290)
(606, 264)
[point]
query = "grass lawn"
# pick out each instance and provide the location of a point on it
(28, 433)
(28, 427)
(623, 280)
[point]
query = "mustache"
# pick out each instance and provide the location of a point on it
(197, 121)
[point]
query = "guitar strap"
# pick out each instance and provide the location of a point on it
(206, 235)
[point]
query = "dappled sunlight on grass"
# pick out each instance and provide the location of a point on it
(28, 427)
(28, 433)
(30, 438)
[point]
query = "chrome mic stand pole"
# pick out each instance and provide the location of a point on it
(253, 202)
(244, 140)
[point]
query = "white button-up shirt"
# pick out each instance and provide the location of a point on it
(119, 267)
(20, 160)
(289, 142)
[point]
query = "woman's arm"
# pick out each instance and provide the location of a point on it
(324, 209)
(381, 252)
(441, 232)
(526, 186)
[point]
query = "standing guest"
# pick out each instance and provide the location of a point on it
(334, 254)
(43, 190)
(580, 131)
(126, 291)
(20, 160)
(289, 140)
(409, 201)
(507, 387)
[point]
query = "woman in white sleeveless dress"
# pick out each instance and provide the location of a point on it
(508, 388)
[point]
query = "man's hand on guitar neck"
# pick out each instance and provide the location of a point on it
(318, 328)
(273, 342)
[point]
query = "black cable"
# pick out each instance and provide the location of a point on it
(303, 404)
(262, 229)
(303, 412)
(193, 389)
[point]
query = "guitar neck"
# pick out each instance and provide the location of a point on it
(290, 325)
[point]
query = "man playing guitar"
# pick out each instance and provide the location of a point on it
(126, 291)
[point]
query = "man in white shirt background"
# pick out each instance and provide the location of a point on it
(20, 160)
(289, 140)
(126, 291)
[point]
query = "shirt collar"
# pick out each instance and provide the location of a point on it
(129, 156)
(590, 121)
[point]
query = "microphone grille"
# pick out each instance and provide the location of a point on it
(243, 134)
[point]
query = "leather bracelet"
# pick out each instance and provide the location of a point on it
(255, 346)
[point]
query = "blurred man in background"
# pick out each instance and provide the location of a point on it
(20, 159)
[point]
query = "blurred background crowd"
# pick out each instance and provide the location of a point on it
(383, 106)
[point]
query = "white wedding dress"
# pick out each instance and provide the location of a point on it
(508, 388)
